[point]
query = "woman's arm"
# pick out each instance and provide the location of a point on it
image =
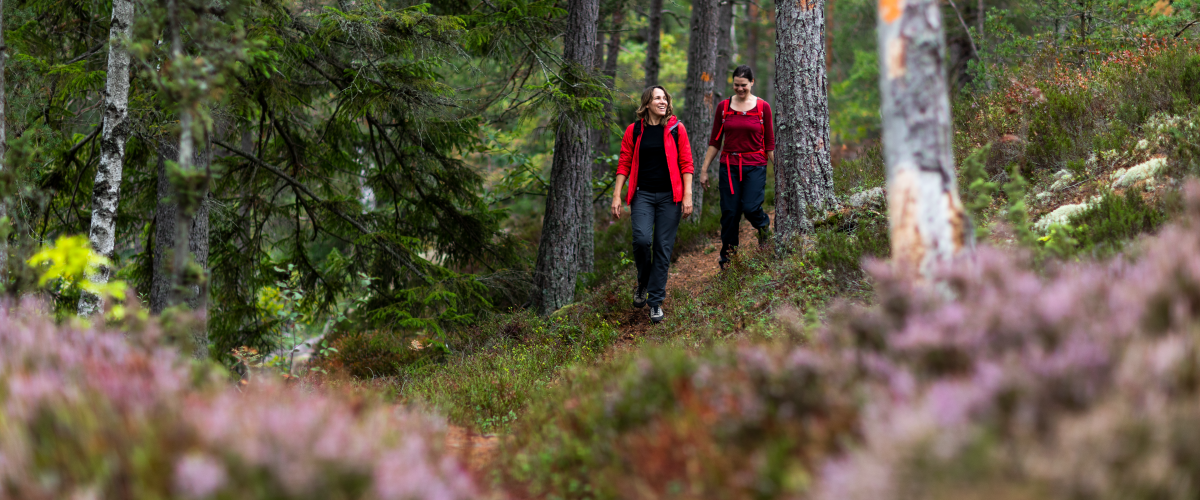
(616, 203)
(687, 195)
(708, 158)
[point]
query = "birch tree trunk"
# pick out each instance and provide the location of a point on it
(928, 225)
(107, 191)
(724, 49)
(698, 96)
(558, 252)
(654, 42)
(803, 170)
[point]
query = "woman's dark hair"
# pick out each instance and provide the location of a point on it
(744, 72)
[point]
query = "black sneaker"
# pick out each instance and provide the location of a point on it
(764, 235)
(656, 314)
(639, 297)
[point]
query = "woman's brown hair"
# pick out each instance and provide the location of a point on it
(643, 111)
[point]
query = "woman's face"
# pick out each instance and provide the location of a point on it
(658, 103)
(742, 86)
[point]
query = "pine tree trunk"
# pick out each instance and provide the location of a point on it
(654, 42)
(162, 279)
(107, 191)
(558, 252)
(928, 225)
(752, 36)
(724, 49)
(603, 140)
(164, 292)
(803, 170)
(698, 96)
(3, 148)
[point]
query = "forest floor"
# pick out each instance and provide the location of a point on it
(689, 275)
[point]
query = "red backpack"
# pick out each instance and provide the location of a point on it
(726, 112)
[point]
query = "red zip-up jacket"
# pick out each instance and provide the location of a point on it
(677, 164)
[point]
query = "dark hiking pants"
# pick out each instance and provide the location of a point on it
(746, 199)
(655, 221)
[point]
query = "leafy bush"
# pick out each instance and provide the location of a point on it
(85, 413)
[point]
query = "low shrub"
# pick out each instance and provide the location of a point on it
(378, 353)
(1104, 227)
(740, 422)
(1009, 380)
(86, 413)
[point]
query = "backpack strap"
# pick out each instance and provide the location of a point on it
(637, 130)
(724, 112)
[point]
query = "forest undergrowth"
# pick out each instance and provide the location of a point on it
(1059, 360)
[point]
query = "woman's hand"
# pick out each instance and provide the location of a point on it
(704, 178)
(687, 203)
(616, 207)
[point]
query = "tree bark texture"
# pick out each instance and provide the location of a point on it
(3, 145)
(928, 225)
(803, 169)
(698, 97)
(724, 49)
(166, 231)
(107, 190)
(570, 173)
(752, 36)
(654, 42)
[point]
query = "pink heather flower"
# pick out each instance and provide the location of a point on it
(198, 475)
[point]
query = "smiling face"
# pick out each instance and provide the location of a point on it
(658, 103)
(742, 86)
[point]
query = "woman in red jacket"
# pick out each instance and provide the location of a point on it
(656, 158)
(745, 125)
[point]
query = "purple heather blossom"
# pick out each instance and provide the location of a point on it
(198, 475)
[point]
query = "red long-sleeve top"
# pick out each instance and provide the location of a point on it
(679, 158)
(743, 133)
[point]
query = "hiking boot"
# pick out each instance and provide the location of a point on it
(639, 297)
(656, 314)
(727, 252)
(764, 236)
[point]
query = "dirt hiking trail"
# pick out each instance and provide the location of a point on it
(690, 274)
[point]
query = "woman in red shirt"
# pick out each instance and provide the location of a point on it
(745, 126)
(656, 158)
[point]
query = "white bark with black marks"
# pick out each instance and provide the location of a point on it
(698, 98)
(928, 224)
(106, 192)
(654, 42)
(803, 169)
(558, 259)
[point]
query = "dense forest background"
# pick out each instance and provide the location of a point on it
(390, 160)
(359, 249)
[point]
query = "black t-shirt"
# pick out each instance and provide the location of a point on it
(653, 176)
